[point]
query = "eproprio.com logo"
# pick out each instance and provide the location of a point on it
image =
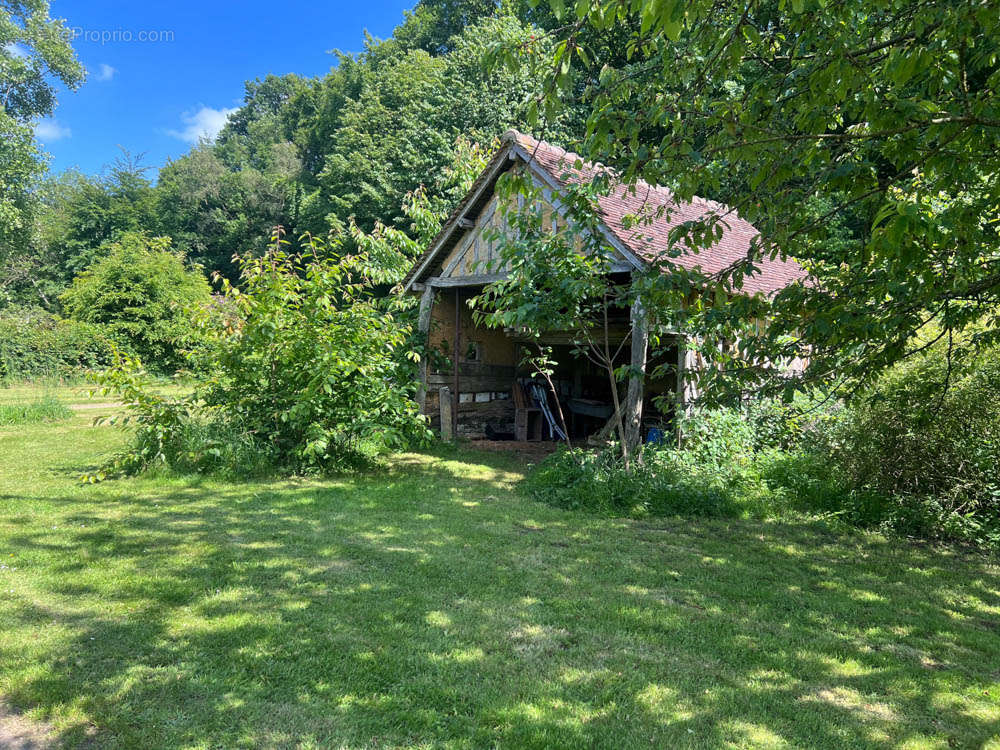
(120, 36)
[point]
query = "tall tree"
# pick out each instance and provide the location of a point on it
(143, 294)
(213, 212)
(862, 138)
(75, 215)
(400, 129)
(433, 25)
(264, 119)
(34, 51)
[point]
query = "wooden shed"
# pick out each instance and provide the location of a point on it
(487, 394)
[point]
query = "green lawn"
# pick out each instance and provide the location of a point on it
(433, 606)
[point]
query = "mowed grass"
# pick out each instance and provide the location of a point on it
(431, 605)
(42, 409)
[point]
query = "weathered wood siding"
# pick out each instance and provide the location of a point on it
(484, 385)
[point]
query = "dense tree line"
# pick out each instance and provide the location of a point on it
(313, 155)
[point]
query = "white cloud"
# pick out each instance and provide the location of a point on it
(205, 123)
(104, 72)
(51, 130)
(15, 49)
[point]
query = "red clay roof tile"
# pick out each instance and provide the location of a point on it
(650, 240)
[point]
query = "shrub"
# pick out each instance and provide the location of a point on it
(713, 474)
(905, 458)
(142, 294)
(919, 459)
(909, 437)
(811, 482)
(34, 343)
(308, 374)
(665, 482)
(800, 424)
(45, 409)
(908, 456)
(173, 432)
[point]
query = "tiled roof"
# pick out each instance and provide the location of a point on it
(649, 240)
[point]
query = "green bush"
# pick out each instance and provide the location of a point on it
(173, 432)
(909, 437)
(713, 474)
(307, 374)
(813, 484)
(664, 483)
(884, 463)
(803, 423)
(142, 294)
(36, 344)
(45, 409)
(925, 459)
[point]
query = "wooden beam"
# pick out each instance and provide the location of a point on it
(541, 173)
(485, 182)
(464, 223)
(616, 334)
(472, 384)
(424, 326)
(447, 410)
(620, 268)
(455, 362)
(633, 400)
(687, 383)
(457, 281)
(461, 250)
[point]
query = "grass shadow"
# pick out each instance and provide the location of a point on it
(431, 604)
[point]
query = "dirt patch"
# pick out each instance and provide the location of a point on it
(530, 450)
(852, 700)
(20, 733)
(539, 640)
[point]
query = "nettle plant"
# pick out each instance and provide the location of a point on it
(305, 364)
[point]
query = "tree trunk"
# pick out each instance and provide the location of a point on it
(619, 422)
(637, 376)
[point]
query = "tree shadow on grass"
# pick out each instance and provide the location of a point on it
(431, 605)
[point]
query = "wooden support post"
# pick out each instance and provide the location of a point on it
(687, 380)
(447, 409)
(455, 362)
(633, 400)
(424, 326)
(680, 393)
(687, 383)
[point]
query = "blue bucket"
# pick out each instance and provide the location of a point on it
(655, 436)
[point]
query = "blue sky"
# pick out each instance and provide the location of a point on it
(157, 95)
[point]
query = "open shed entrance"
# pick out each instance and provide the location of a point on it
(489, 395)
(584, 395)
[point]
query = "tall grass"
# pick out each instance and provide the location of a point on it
(44, 409)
